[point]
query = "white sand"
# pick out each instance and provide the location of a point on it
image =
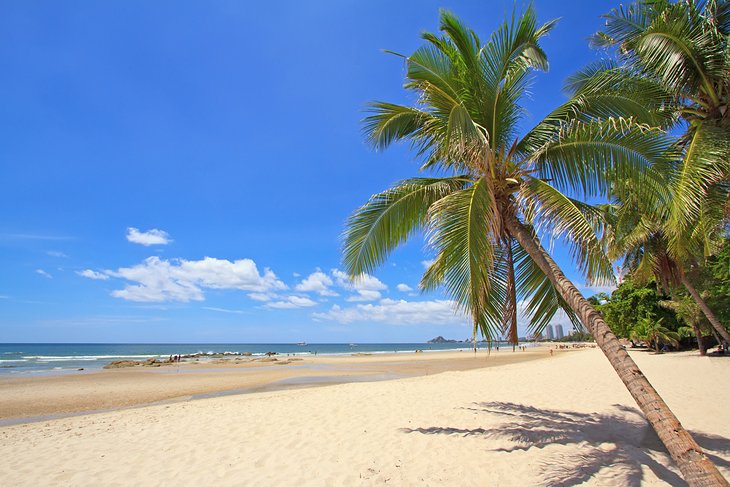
(565, 419)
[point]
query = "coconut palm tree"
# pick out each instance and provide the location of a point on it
(652, 331)
(493, 191)
(683, 47)
(638, 232)
(689, 312)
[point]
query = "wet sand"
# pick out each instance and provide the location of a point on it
(49, 396)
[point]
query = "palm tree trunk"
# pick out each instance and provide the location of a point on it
(696, 468)
(706, 309)
(510, 311)
(700, 341)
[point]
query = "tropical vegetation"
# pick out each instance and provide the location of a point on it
(490, 192)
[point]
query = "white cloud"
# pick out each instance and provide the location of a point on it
(396, 312)
(364, 295)
(184, 280)
(366, 287)
(91, 274)
(291, 302)
(427, 263)
(317, 282)
(404, 288)
(224, 310)
(56, 253)
(43, 273)
(150, 237)
(262, 296)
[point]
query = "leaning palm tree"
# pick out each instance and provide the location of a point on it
(684, 47)
(638, 232)
(494, 192)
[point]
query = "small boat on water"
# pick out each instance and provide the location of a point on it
(301, 344)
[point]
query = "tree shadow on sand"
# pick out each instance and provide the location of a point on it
(622, 440)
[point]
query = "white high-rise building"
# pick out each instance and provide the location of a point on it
(559, 332)
(549, 332)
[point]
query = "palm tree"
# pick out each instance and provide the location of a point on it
(638, 232)
(652, 331)
(683, 47)
(492, 188)
(689, 312)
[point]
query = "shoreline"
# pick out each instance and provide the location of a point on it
(70, 358)
(561, 420)
(26, 399)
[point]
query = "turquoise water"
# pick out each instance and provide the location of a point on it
(33, 358)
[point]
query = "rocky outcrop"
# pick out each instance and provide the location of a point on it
(118, 364)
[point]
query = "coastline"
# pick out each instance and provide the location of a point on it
(31, 398)
(565, 419)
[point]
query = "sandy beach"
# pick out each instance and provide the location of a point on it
(564, 419)
(25, 397)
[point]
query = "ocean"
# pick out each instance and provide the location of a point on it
(50, 358)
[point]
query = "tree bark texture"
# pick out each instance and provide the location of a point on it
(696, 467)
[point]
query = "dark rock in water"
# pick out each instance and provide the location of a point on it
(269, 354)
(246, 354)
(80, 368)
(440, 339)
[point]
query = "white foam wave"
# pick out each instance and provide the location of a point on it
(48, 358)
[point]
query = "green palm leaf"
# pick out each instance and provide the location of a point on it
(389, 219)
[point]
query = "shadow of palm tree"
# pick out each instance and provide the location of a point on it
(621, 439)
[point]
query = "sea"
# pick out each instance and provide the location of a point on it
(59, 358)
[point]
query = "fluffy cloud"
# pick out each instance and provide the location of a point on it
(184, 280)
(366, 287)
(43, 273)
(56, 253)
(90, 274)
(150, 237)
(291, 302)
(317, 282)
(396, 312)
(404, 288)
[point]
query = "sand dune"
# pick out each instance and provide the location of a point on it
(565, 419)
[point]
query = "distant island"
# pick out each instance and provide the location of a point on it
(440, 339)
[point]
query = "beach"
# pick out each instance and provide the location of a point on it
(27, 397)
(555, 419)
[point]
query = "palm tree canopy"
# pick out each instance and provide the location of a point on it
(682, 47)
(464, 128)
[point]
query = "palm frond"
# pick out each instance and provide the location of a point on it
(585, 157)
(578, 224)
(389, 219)
(461, 231)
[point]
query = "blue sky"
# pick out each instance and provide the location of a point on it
(181, 171)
